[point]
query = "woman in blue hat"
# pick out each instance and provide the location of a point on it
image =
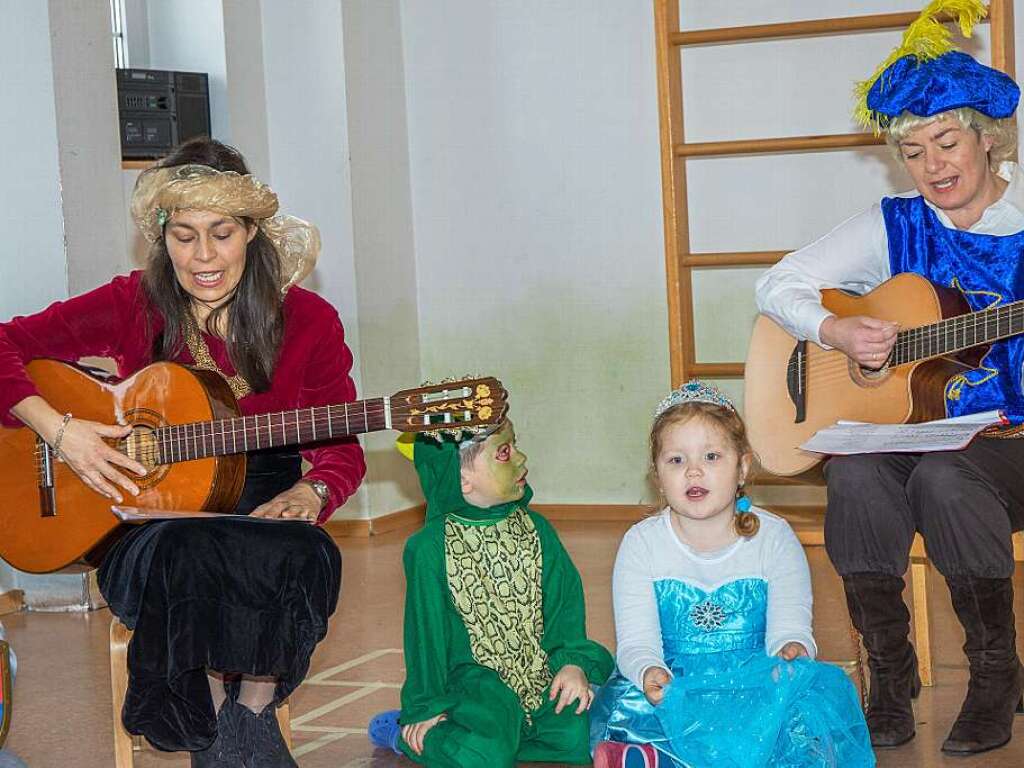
(950, 121)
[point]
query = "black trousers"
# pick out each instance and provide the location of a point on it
(965, 504)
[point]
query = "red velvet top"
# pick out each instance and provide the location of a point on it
(312, 369)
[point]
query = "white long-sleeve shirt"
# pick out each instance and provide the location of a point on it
(651, 551)
(855, 256)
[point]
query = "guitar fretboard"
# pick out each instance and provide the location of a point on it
(200, 440)
(955, 334)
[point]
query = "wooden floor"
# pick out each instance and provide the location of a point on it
(62, 705)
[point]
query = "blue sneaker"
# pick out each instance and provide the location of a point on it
(384, 730)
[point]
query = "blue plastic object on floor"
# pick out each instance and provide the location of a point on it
(384, 730)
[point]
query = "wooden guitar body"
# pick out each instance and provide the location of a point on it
(75, 524)
(835, 387)
(188, 432)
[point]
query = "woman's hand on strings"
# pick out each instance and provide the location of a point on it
(865, 340)
(655, 681)
(300, 502)
(84, 448)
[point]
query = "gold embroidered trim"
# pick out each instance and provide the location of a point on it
(494, 576)
(1012, 432)
(201, 354)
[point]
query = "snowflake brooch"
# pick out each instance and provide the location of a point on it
(707, 615)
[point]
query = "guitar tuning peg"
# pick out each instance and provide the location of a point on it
(427, 384)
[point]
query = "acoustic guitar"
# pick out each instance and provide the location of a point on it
(794, 388)
(188, 432)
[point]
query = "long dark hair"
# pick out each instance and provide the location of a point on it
(253, 311)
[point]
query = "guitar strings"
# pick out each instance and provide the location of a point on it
(918, 338)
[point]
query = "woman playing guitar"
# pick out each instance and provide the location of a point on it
(221, 596)
(950, 121)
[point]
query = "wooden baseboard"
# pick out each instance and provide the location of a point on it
(12, 602)
(805, 519)
(365, 527)
(603, 513)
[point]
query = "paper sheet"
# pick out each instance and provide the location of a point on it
(849, 437)
(145, 514)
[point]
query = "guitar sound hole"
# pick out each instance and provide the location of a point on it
(143, 446)
(868, 377)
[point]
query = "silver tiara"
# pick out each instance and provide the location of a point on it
(694, 391)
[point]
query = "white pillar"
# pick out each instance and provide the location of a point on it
(60, 194)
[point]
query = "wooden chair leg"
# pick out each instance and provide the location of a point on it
(119, 637)
(285, 722)
(922, 633)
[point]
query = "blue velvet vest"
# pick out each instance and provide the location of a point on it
(989, 272)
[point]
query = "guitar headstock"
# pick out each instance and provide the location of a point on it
(454, 407)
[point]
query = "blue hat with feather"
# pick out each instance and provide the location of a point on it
(925, 75)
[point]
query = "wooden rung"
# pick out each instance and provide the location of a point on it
(715, 370)
(787, 144)
(738, 259)
(838, 26)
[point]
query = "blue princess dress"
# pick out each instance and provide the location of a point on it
(730, 704)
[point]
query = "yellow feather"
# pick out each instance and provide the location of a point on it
(926, 38)
(406, 444)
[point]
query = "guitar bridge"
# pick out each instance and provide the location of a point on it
(47, 497)
(796, 380)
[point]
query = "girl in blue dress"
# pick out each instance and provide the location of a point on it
(712, 598)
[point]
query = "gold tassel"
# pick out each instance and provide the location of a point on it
(926, 38)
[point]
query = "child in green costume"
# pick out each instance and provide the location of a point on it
(497, 658)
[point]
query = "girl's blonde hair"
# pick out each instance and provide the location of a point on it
(1003, 131)
(731, 425)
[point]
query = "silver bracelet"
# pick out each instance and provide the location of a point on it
(60, 434)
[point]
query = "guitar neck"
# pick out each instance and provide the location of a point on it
(204, 439)
(955, 334)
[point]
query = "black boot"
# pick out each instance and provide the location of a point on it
(985, 609)
(876, 606)
(225, 752)
(264, 744)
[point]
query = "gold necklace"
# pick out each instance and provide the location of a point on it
(203, 359)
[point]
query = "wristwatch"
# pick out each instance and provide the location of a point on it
(320, 489)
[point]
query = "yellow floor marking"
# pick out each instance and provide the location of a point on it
(353, 683)
(333, 705)
(323, 741)
(330, 671)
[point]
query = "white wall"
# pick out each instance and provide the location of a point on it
(536, 192)
(303, 57)
(385, 258)
(32, 265)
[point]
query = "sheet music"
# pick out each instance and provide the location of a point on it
(145, 514)
(849, 437)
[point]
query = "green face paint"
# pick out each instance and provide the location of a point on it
(498, 474)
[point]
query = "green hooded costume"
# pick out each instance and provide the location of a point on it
(493, 610)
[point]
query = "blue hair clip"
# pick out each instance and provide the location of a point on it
(742, 503)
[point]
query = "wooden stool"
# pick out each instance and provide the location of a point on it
(125, 743)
